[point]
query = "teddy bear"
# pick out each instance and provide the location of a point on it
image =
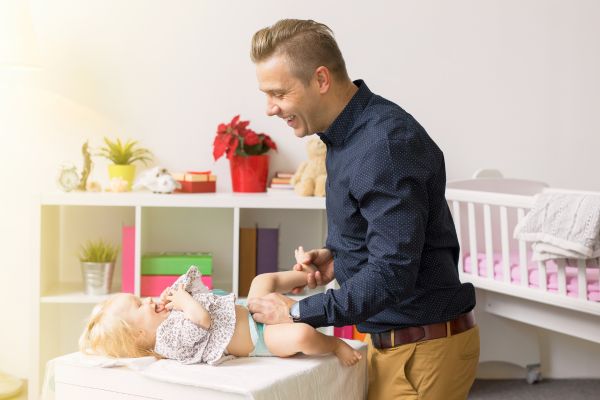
(309, 179)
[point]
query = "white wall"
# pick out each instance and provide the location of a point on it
(505, 84)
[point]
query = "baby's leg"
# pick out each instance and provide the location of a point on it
(281, 282)
(285, 340)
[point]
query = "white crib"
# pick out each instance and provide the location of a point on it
(561, 296)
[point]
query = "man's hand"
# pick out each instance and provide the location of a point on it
(322, 260)
(271, 309)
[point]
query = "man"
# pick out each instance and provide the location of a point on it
(391, 241)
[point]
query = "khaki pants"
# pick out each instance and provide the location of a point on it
(439, 369)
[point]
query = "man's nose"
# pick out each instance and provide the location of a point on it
(272, 109)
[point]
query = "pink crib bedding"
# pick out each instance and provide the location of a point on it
(592, 274)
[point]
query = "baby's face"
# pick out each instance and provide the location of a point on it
(142, 314)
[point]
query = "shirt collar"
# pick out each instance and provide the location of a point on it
(341, 127)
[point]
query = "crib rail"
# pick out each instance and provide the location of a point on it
(492, 259)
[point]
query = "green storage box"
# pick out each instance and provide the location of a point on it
(175, 263)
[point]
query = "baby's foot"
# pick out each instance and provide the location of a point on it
(347, 355)
(299, 254)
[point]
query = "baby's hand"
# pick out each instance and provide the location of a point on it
(162, 303)
(177, 298)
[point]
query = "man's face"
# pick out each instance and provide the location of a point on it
(287, 97)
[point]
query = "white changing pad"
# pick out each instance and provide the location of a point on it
(260, 378)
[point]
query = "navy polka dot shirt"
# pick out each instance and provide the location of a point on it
(389, 227)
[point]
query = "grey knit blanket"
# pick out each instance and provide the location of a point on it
(562, 225)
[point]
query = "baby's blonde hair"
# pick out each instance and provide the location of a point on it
(108, 334)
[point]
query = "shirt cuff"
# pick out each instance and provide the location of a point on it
(312, 310)
(295, 311)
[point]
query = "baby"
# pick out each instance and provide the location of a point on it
(192, 325)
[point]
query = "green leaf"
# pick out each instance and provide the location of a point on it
(98, 251)
(255, 150)
(124, 154)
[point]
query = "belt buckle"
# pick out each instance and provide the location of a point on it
(393, 331)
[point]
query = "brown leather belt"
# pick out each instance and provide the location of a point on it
(397, 337)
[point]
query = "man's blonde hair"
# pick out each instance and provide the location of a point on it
(306, 43)
(108, 334)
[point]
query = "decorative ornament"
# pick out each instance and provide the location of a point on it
(158, 180)
(87, 166)
(68, 178)
(118, 185)
(93, 186)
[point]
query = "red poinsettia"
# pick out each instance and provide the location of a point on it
(235, 138)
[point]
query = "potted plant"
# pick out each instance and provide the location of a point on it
(123, 155)
(97, 260)
(246, 151)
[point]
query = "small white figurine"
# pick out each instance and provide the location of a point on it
(158, 180)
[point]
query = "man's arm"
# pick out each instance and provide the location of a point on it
(393, 200)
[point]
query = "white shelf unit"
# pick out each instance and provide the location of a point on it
(177, 222)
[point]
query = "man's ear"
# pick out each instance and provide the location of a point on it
(323, 79)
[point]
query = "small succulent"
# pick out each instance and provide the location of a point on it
(98, 251)
(124, 153)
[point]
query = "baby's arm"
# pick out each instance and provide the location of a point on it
(181, 300)
(281, 282)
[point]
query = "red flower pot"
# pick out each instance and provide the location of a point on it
(249, 174)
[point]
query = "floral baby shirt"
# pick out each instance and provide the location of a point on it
(180, 339)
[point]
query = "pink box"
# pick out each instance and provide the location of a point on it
(127, 259)
(345, 332)
(153, 285)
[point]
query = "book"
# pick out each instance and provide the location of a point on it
(356, 335)
(128, 259)
(247, 261)
(284, 175)
(198, 187)
(198, 177)
(153, 285)
(175, 263)
(281, 180)
(280, 191)
(344, 332)
(267, 243)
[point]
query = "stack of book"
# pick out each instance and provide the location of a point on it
(348, 332)
(281, 183)
(258, 254)
(161, 270)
